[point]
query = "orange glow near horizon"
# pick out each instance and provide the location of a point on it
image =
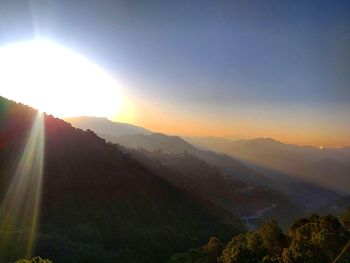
(173, 122)
(207, 130)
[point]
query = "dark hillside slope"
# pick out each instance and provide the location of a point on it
(175, 144)
(98, 204)
(195, 176)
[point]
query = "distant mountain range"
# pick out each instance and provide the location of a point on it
(242, 147)
(168, 144)
(305, 192)
(231, 181)
(327, 167)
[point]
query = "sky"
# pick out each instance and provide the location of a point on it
(250, 69)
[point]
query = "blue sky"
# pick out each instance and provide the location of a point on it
(276, 60)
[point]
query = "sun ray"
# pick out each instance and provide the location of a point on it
(20, 207)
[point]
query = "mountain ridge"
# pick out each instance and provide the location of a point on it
(300, 162)
(106, 126)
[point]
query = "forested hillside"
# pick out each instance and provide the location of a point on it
(98, 204)
(195, 176)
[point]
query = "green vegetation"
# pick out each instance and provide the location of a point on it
(34, 260)
(345, 218)
(316, 239)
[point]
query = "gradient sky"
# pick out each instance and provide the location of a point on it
(224, 68)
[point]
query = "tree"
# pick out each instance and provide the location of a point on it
(255, 243)
(315, 239)
(345, 218)
(34, 260)
(273, 238)
(237, 251)
(213, 250)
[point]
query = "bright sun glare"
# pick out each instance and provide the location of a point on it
(57, 80)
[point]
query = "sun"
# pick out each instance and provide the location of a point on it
(56, 80)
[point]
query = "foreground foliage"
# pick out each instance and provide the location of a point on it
(34, 260)
(316, 239)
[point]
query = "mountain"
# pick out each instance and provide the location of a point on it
(328, 168)
(152, 142)
(217, 144)
(138, 137)
(141, 138)
(98, 204)
(214, 177)
(306, 194)
(341, 155)
(290, 169)
(176, 145)
(105, 126)
(197, 177)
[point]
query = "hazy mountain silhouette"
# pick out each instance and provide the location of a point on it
(243, 198)
(228, 146)
(153, 141)
(175, 144)
(105, 126)
(306, 194)
(327, 167)
(305, 174)
(101, 205)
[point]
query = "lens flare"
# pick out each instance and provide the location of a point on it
(20, 207)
